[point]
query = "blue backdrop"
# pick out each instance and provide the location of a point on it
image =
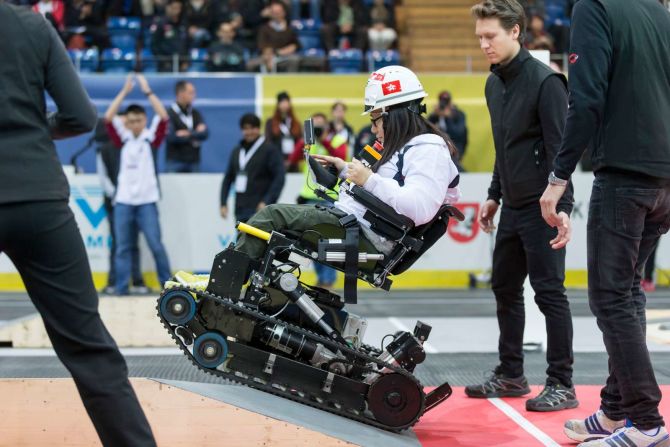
(220, 99)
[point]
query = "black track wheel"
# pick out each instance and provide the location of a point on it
(395, 400)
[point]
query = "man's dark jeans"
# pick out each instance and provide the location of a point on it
(627, 215)
(522, 248)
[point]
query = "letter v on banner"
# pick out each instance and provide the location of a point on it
(93, 216)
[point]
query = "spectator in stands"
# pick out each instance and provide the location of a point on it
(107, 161)
(137, 191)
(225, 54)
(53, 11)
(278, 42)
(85, 21)
(227, 11)
(253, 13)
(187, 131)
(200, 21)
(168, 36)
(327, 143)
(451, 120)
(125, 8)
(380, 11)
(256, 170)
(345, 24)
(537, 37)
(380, 36)
(338, 124)
(284, 129)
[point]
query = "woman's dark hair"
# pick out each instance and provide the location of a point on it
(295, 130)
(401, 125)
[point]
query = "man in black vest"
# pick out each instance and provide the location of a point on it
(38, 231)
(619, 100)
(255, 170)
(527, 102)
(187, 131)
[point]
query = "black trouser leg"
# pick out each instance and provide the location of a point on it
(627, 215)
(43, 242)
(546, 271)
(509, 272)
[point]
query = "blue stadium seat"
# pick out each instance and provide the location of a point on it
(124, 31)
(148, 60)
(379, 59)
(313, 52)
(198, 58)
(115, 60)
(345, 61)
(309, 33)
(85, 60)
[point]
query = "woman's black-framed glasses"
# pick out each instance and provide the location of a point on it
(374, 120)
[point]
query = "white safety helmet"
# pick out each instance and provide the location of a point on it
(391, 85)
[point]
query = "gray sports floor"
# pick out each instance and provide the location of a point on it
(461, 346)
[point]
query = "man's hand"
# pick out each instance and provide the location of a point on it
(260, 206)
(548, 202)
(224, 212)
(560, 221)
(486, 215)
(201, 127)
(358, 173)
(564, 232)
(142, 81)
(129, 85)
(183, 133)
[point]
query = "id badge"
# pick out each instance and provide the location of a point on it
(241, 183)
(287, 146)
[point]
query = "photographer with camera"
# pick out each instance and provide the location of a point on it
(451, 120)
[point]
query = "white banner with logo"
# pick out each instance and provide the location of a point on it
(193, 230)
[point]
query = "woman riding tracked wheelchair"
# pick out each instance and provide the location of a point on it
(415, 175)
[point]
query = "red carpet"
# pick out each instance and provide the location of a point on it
(465, 422)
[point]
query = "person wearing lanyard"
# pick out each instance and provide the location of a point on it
(283, 129)
(187, 131)
(256, 170)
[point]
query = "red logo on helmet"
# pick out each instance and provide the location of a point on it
(574, 57)
(391, 87)
(377, 76)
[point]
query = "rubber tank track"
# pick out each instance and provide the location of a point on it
(268, 388)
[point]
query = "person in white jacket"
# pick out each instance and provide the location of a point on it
(415, 175)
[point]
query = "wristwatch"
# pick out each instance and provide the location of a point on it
(553, 180)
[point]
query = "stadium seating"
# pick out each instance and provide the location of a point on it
(309, 33)
(198, 60)
(345, 61)
(86, 61)
(314, 9)
(379, 59)
(115, 60)
(148, 61)
(124, 31)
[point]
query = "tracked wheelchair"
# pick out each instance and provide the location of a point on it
(254, 322)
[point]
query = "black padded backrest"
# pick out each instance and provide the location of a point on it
(429, 233)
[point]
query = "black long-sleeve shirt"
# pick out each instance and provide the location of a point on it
(34, 60)
(619, 88)
(265, 176)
